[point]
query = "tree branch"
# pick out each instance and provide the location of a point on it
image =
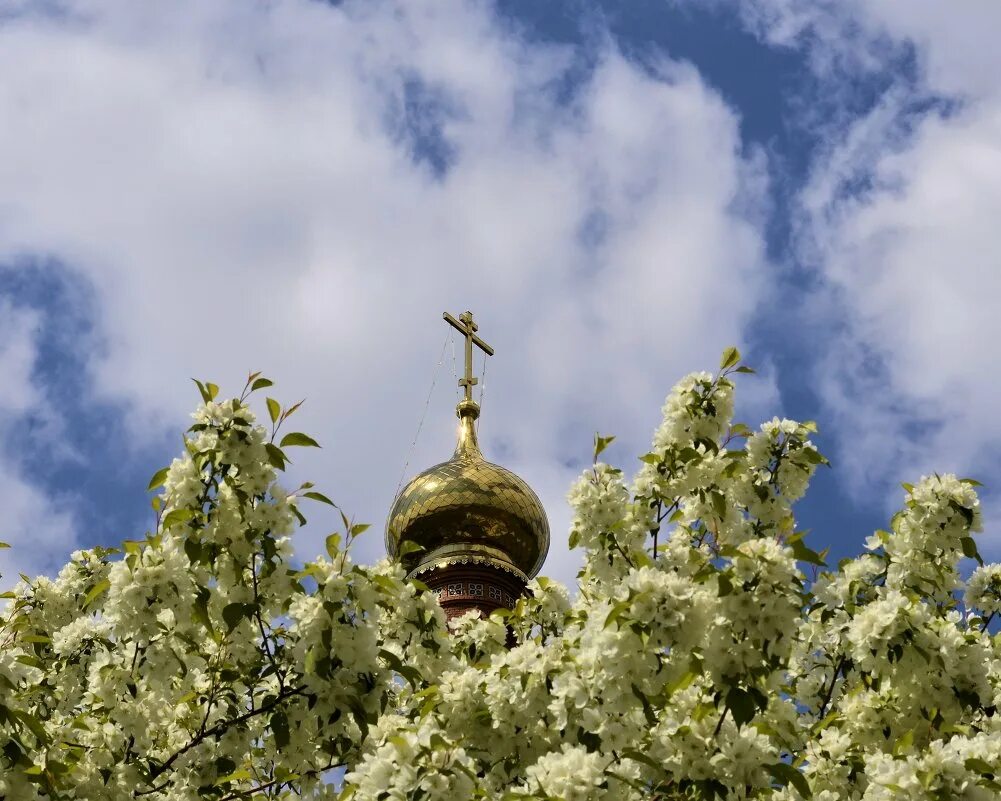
(220, 728)
(830, 689)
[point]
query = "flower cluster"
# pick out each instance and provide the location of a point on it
(707, 653)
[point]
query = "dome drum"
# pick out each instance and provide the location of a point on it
(462, 586)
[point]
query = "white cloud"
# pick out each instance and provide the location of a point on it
(912, 258)
(236, 181)
(39, 532)
(18, 330)
(38, 529)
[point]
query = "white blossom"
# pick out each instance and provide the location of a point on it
(201, 662)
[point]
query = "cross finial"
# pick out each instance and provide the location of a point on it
(465, 326)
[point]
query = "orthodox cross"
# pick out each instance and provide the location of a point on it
(465, 326)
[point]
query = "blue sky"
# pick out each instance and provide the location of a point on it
(617, 190)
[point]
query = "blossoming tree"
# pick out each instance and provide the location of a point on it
(695, 661)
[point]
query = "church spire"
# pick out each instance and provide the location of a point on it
(466, 326)
(481, 531)
(467, 409)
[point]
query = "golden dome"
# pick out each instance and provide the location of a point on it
(468, 510)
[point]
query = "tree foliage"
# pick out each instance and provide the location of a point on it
(708, 653)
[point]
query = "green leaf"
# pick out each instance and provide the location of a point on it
(96, 590)
(688, 454)
(600, 443)
(33, 724)
(202, 390)
(234, 613)
(276, 457)
(410, 673)
(971, 481)
(408, 547)
(359, 528)
(274, 409)
(298, 438)
(719, 503)
(805, 554)
(4, 544)
(970, 549)
(784, 773)
(200, 611)
(212, 389)
(981, 766)
(224, 765)
(193, 550)
(813, 456)
(237, 776)
(651, 717)
(616, 612)
(319, 496)
(158, 478)
(741, 705)
(261, 383)
(386, 583)
(176, 516)
(588, 739)
(646, 759)
(682, 681)
(725, 585)
(279, 726)
(744, 369)
(967, 514)
(333, 544)
(730, 358)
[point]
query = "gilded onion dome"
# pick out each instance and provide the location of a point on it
(468, 510)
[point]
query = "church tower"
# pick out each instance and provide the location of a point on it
(481, 530)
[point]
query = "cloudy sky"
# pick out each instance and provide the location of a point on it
(618, 190)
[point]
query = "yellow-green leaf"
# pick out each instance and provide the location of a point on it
(158, 479)
(600, 443)
(298, 438)
(730, 358)
(176, 516)
(97, 589)
(274, 409)
(319, 496)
